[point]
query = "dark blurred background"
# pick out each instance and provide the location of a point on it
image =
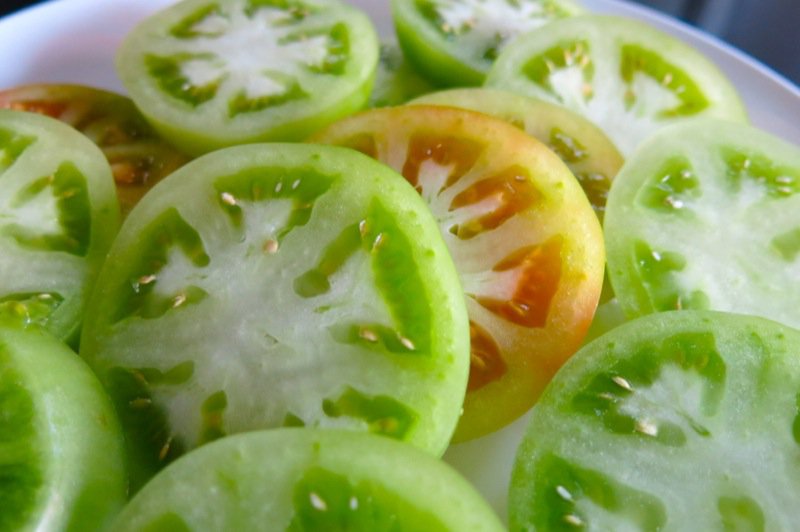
(765, 29)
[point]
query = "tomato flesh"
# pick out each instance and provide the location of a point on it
(666, 249)
(628, 78)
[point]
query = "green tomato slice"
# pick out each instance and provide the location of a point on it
(214, 73)
(271, 285)
(317, 480)
(58, 215)
(521, 232)
(455, 42)
(627, 77)
(61, 449)
(396, 81)
(584, 148)
(139, 158)
(706, 215)
(676, 421)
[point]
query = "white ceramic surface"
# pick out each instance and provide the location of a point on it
(75, 40)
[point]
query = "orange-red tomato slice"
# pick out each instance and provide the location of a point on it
(139, 158)
(522, 233)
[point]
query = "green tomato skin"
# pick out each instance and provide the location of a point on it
(681, 420)
(302, 479)
(67, 439)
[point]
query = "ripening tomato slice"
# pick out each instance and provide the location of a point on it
(296, 480)
(61, 449)
(706, 215)
(139, 158)
(625, 76)
(214, 73)
(58, 216)
(682, 420)
(583, 147)
(455, 42)
(278, 284)
(523, 236)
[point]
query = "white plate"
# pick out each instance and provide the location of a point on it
(75, 40)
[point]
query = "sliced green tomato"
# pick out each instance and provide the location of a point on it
(273, 285)
(584, 148)
(139, 158)
(677, 421)
(521, 232)
(61, 449)
(396, 81)
(58, 215)
(706, 215)
(455, 42)
(627, 77)
(296, 480)
(214, 73)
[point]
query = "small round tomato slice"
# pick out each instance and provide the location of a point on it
(139, 158)
(215, 73)
(583, 147)
(627, 77)
(317, 480)
(61, 450)
(58, 215)
(454, 42)
(706, 215)
(278, 284)
(682, 420)
(521, 232)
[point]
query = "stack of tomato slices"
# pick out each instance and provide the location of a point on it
(311, 264)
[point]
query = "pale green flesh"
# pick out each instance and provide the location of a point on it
(627, 78)
(706, 216)
(676, 421)
(286, 318)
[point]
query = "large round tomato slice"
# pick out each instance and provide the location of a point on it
(139, 158)
(682, 420)
(521, 232)
(271, 285)
(306, 480)
(627, 77)
(215, 73)
(706, 215)
(58, 215)
(61, 450)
